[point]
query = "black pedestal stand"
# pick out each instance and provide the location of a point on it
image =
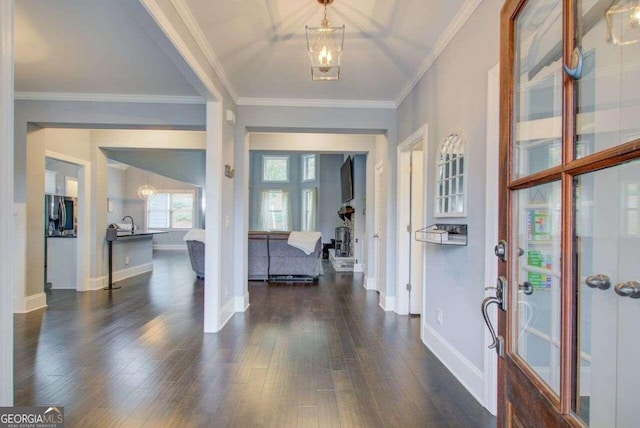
(111, 286)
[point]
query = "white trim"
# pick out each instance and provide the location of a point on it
(242, 302)
(388, 304)
(169, 247)
(446, 37)
(226, 313)
(158, 15)
(358, 267)
(20, 254)
(369, 283)
(32, 303)
(7, 256)
(403, 214)
(108, 98)
(98, 283)
(469, 375)
(85, 225)
(490, 401)
(120, 166)
(301, 102)
(201, 40)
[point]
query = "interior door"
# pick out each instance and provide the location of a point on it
(379, 228)
(569, 213)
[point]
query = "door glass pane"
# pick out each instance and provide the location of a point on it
(608, 94)
(607, 209)
(538, 80)
(535, 283)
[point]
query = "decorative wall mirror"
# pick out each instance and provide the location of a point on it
(451, 183)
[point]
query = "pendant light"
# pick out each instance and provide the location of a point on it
(325, 45)
(623, 22)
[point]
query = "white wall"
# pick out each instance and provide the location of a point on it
(358, 203)
(115, 192)
(452, 97)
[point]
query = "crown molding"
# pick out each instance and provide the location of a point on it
(301, 102)
(201, 40)
(454, 27)
(107, 98)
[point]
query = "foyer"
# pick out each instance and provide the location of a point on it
(301, 356)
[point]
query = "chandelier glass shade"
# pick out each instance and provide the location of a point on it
(623, 22)
(146, 191)
(325, 44)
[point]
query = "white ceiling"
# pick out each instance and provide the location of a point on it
(90, 46)
(259, 47)
(261, 44)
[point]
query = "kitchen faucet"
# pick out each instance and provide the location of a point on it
(133, 226)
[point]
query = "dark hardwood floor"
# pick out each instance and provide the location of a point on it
(303, 355)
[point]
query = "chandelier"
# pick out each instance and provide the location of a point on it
(325, 45)
(623, 22)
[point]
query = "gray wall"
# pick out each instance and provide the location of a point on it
(329, 196)
(452, 97)
(64, 169)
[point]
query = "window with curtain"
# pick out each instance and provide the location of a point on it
(170, 210)
(275, 210)
(309, 207)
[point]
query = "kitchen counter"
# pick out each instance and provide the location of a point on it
(127, 235)
(60, 236)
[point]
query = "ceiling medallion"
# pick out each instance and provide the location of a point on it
(325, 45)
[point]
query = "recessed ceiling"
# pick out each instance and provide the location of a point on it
(90, 46)
(261, 44)
(258, 46)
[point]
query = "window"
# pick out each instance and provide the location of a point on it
(309, 209)
(170, 210)
(275, 210)
(450, 178)
(275, 169)
(308, 167)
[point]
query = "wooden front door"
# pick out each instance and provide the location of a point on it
(570, 213)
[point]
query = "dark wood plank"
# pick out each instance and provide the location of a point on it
(303, 355)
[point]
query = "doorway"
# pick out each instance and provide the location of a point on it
(411, 202)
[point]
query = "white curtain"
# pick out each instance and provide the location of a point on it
(275, 210)
(310, 204)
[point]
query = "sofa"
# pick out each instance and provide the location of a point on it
(195, 246)
(272, 258)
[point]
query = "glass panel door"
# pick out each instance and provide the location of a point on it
(608, 92)
(538, 77)
(607, 234)
(535, 282)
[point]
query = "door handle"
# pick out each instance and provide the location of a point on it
(600, 281)
(575, 72)
(526, 288)
(498, 299)
(628, 289)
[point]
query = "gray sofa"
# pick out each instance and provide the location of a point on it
(196, 255)
(272, 258)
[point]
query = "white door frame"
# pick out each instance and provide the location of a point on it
(83, 241)
(7, 251)
(491, 232)
(378, 178)
(403, 215)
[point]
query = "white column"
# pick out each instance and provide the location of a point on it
(213, 196)
(6, 202)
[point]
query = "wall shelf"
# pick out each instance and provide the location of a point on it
(444, 234)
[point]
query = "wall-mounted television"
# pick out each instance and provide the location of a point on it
(346, 178)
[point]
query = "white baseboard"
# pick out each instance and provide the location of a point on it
(100, 282)
(358, 267)
(226, 313)
(30, 303)
(241, 303)
(369, 283)
(388, 304)
(167, 247)
(469, 375)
